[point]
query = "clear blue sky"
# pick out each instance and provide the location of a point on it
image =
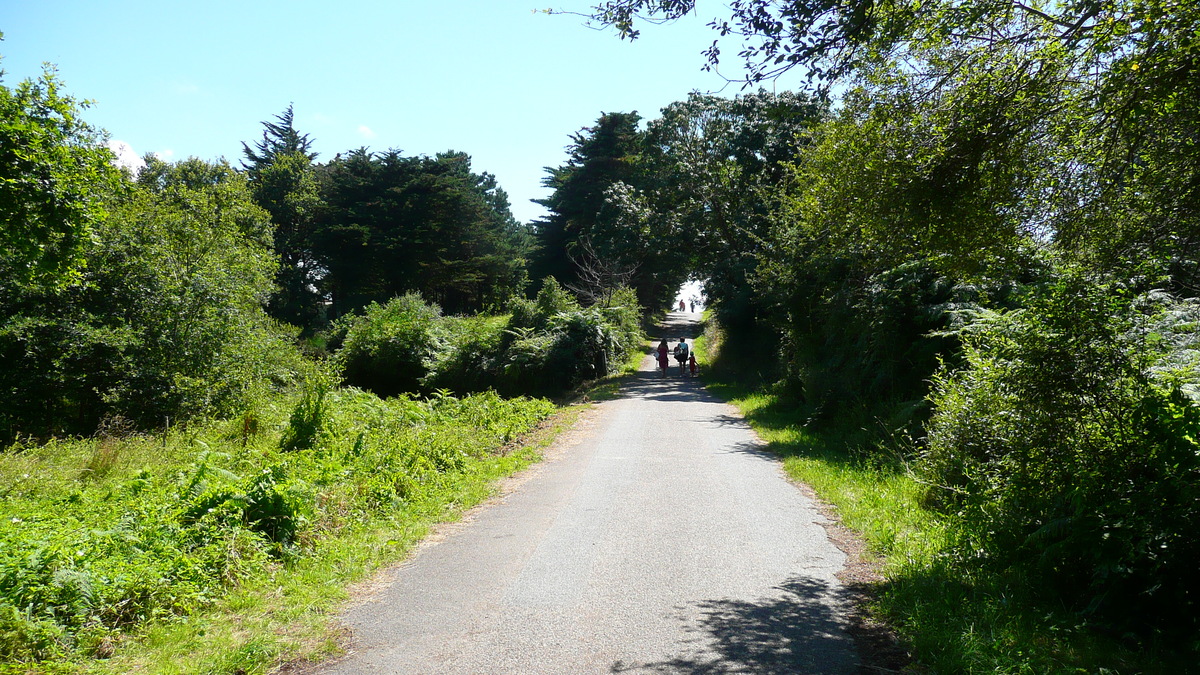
(488, 77)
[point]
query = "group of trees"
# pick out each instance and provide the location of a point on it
(991, 239)
(369, 226)
(685, 196)
(183, 291)
(158, 315)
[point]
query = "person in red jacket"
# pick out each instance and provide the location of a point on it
(663, 359)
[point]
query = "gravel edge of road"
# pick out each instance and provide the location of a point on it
(880, 648)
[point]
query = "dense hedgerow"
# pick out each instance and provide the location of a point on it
(1068, 451)
(547, 345)
(99, 536)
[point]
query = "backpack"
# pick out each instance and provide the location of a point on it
(681, 351)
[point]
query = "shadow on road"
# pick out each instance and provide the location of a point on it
(649, 382)
(651, 385)
(794, 632)
(676, 325)
(756, 449)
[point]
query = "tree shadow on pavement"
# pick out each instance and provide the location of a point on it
(676, 325)
(759, 450)
(794, 632)
(674, 387)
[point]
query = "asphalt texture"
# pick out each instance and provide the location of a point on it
(664, 540)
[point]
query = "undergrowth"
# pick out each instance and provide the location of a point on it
(219, 547)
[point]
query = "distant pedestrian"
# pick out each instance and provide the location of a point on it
(664, 360)
(692, 363)
(681, 305)
(693, 307)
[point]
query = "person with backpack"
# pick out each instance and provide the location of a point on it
(681, 353)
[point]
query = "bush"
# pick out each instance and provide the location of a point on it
(468, 357)
(554, 344)
(545, 347)
(1069, 462)
(389, 348)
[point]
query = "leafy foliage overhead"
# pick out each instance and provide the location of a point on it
(832, 39)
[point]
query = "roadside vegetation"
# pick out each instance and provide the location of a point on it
(950, 610)
(963, 297)
(126, 536)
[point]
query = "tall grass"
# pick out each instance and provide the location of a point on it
(221, 547)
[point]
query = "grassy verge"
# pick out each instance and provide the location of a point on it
(955, 619)
(227, 548)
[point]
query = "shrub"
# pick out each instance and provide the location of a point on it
(1069, 463)
(306, 421)
(555, 344)
(390, 348)
(544, 347)
(468, 357)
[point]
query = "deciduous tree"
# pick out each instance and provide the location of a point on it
(55, 178)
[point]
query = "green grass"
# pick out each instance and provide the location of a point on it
(955, 619)
(110, 566)
(288, 615)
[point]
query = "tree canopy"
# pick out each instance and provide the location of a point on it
(55, 175)
(391, 224)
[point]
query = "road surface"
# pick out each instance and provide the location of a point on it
(664, 540)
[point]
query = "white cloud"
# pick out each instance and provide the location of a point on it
(365, 131)
(125, 156)
(165, 155)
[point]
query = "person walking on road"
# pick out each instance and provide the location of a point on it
(681, 354)
(663, 360)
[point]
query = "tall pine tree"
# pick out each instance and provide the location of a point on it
(283, 181)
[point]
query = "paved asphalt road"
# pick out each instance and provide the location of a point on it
(663, 541)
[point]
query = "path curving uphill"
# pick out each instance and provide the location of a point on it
(665, 540)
